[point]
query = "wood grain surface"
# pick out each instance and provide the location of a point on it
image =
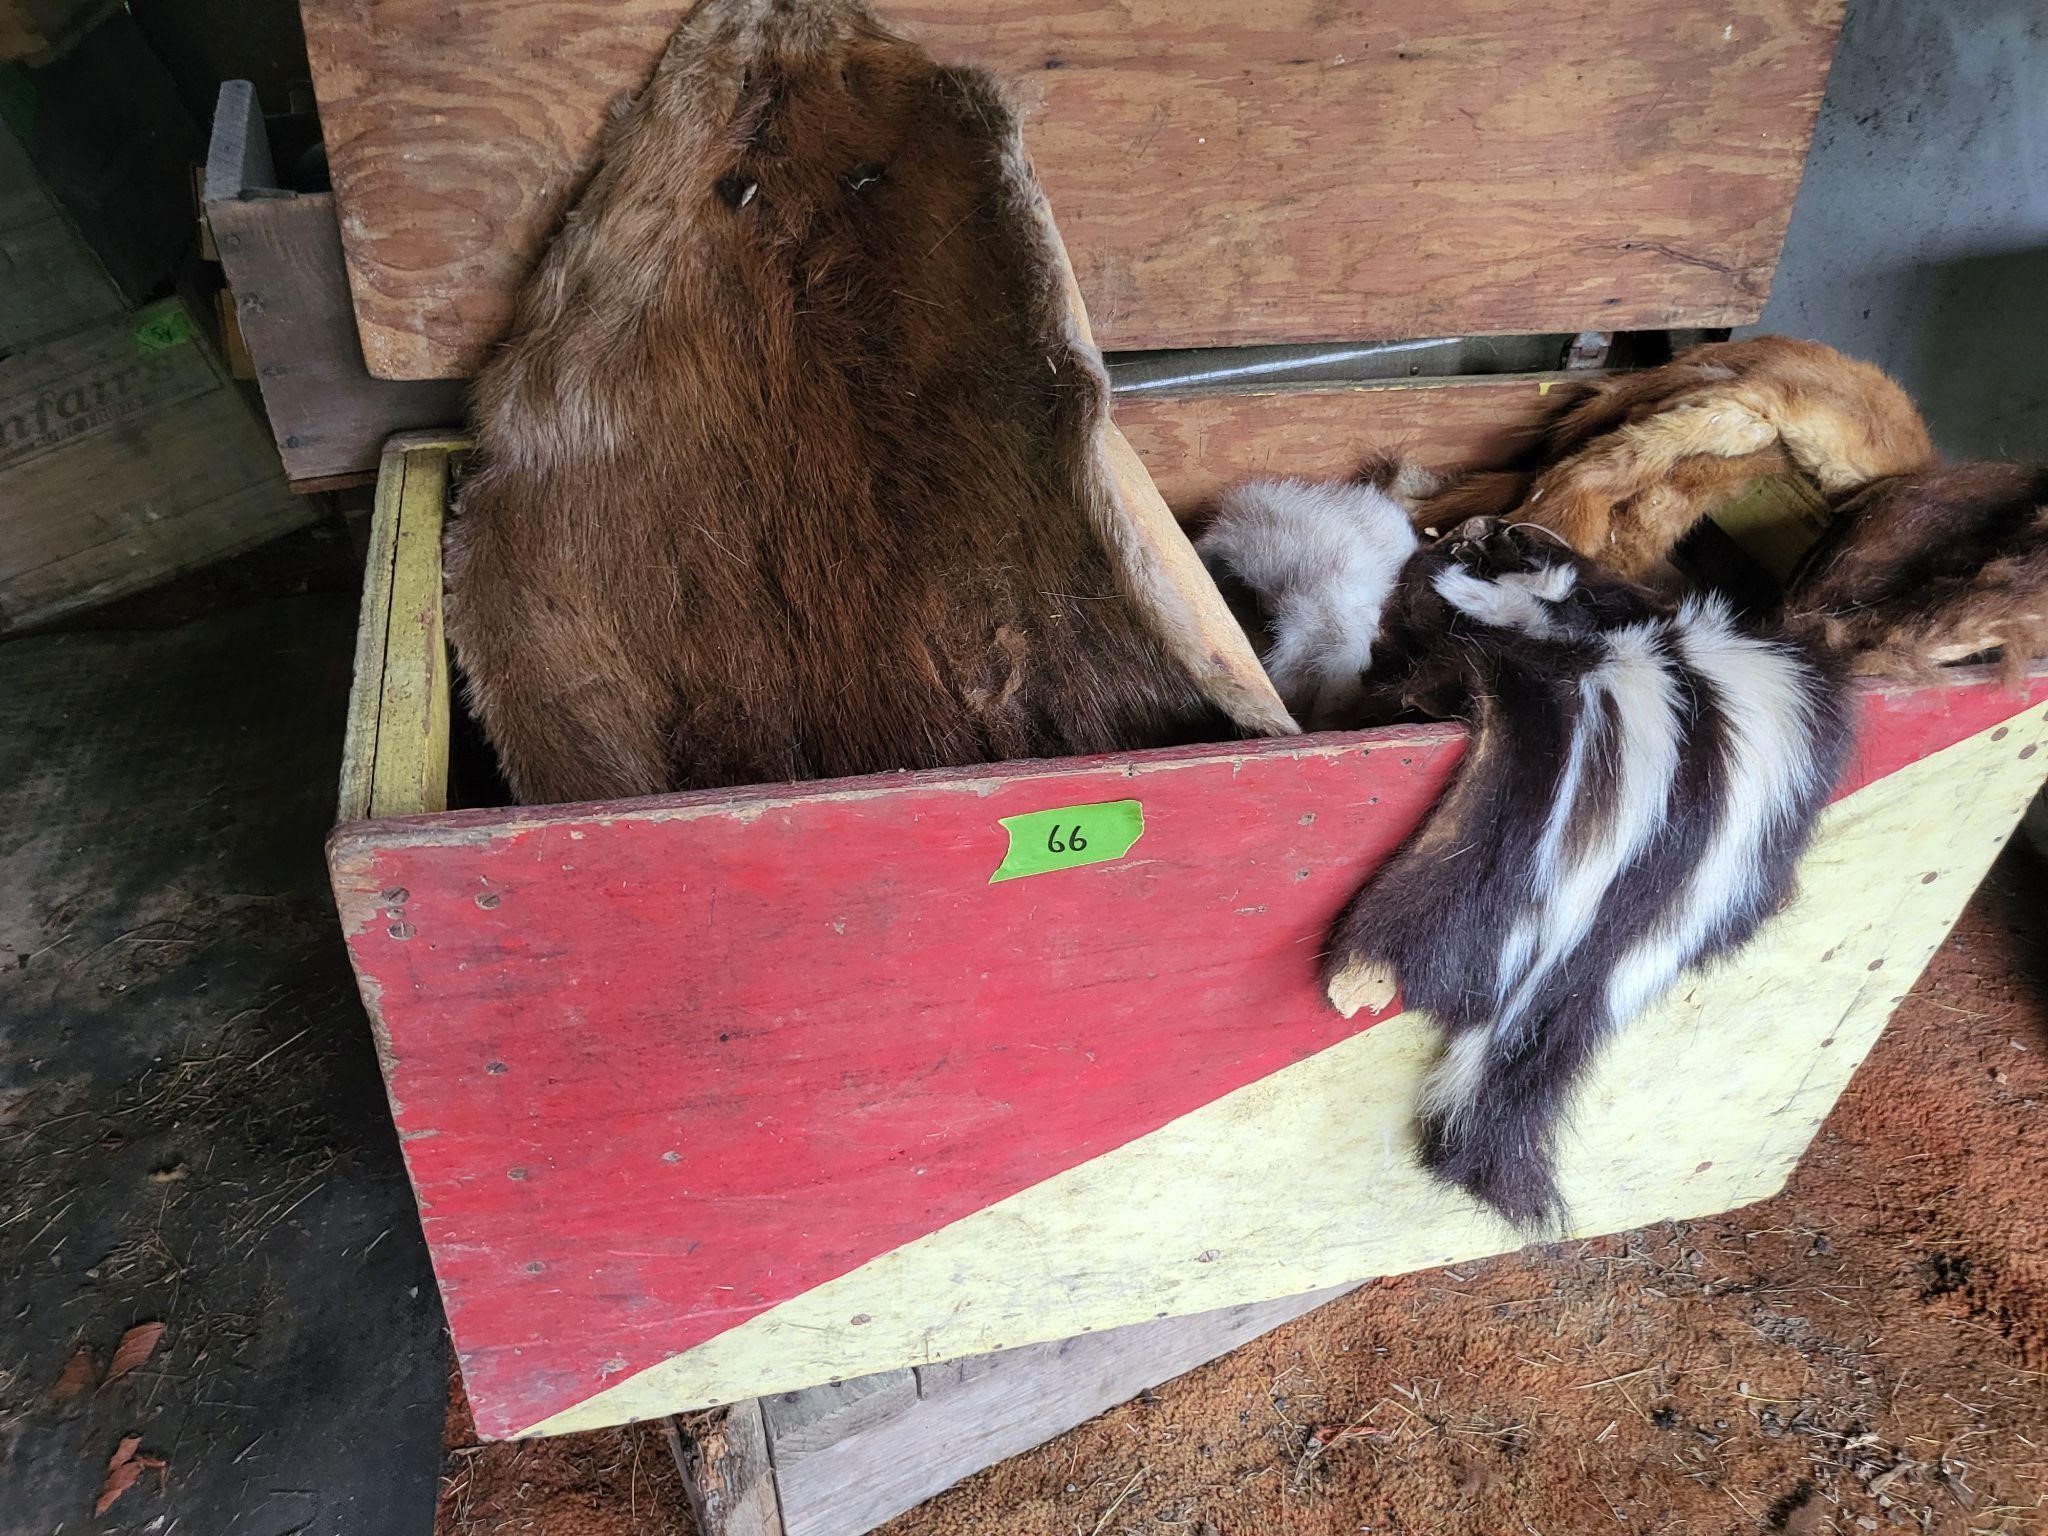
(727, 1476)
(1301, 170)
(394, 754)
(282, 257)
(281, 251)
(126, 456)
(670, 1073)
(1198, 444)
(851, 1455)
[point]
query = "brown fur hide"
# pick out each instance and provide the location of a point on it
(791, 467)
(1630, 463)
(1936, 567)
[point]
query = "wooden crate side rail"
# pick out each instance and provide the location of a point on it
(394, 756)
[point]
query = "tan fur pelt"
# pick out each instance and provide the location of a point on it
(1629, 464)
(789, 467)
(1925, 569)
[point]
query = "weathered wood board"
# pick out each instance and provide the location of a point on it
(283, 257)
(1306, 170)
(711, 1096)
(50, 280)
(126, 456)
(847, 1457)
(1198, 444)
(394, 757)
(281, 252)
(727, 1476)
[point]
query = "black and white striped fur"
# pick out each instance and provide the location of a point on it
(1318, 561)
(1640, 783)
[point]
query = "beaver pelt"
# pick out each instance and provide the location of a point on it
(790, 466)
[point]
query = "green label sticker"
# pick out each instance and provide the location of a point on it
(164, 326)
(1073, 835)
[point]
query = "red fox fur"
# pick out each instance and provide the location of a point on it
(1631, 463)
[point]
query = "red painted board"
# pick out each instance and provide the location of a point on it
(661, 1065)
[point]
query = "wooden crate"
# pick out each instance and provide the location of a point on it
(126, 456)
(712, 1096)
(281, 253)
(770, 1099)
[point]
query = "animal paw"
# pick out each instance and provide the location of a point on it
(1507, 576)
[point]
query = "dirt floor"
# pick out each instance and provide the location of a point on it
(1866, 1352)
(216, 1314)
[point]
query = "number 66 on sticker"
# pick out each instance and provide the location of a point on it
(1072, 835)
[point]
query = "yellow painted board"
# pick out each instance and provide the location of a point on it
(1745, 1058)
(394, 759)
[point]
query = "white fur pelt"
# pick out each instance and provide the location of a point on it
(1321, 560)
(1641, 782)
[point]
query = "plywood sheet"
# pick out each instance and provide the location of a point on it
(714, 1095)
(1305, 170)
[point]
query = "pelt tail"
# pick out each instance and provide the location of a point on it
(1492, 1105)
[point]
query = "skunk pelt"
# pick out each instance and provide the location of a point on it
(794, 463)
(1925, 569)
(1640, 783)
(1308, 566)
(1627, 465)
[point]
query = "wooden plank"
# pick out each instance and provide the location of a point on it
(1306, 170)
(238, 162)
(394, 759)
(805, 1423)
(125, 457)
(50, 281)
(707, 1096)
(282, 255)
(841, 1477)
(727, 1476)
(373, 637)
(348, 482)
(1198, 444)
(132, 550)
